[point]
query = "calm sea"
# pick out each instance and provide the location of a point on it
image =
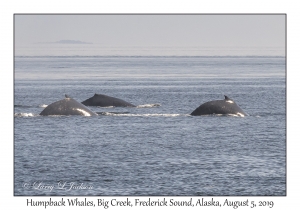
(156, 148)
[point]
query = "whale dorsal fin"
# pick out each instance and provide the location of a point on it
(227, 98)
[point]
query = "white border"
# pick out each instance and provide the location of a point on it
(8, 8)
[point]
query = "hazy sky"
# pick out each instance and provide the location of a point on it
(189, 34)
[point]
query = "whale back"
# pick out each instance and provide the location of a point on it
(223, 107)
(105, 101)
(67, 106)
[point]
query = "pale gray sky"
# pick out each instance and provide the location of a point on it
(151, 34)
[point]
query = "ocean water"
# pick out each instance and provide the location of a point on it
(157, 148)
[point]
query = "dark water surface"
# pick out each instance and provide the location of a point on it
(151, 150)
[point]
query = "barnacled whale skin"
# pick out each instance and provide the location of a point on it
(104, 101)
(67, 106)
(223, 107)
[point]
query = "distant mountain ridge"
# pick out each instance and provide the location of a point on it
(67, 41)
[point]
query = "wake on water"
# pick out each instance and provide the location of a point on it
(25, 106)
(118, 114)
(128, 114)
(148, 105)
(140, 115)
(25, 115)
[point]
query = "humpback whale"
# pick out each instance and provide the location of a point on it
(104, 100)
(225, 107)
(67, 106)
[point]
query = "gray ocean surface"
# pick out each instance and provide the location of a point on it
(157, 148)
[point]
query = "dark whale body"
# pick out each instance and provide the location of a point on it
(67, 106)
(224, 107)
(104, 101)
